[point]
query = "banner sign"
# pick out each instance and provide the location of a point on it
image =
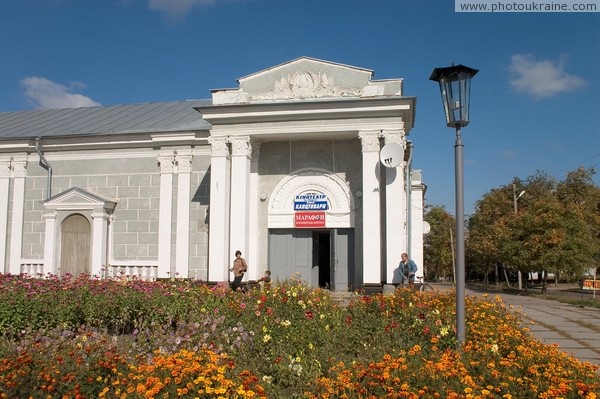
(591, 284)
(311, 202)
(309, 219)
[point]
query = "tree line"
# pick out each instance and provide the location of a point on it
(540, 224)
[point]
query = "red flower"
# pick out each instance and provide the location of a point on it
(309, 314)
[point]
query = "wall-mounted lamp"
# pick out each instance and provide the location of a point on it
(358, 194)
(263, 196)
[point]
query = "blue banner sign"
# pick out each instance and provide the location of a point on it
(311, 202)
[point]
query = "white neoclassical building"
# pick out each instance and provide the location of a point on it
(285, 167)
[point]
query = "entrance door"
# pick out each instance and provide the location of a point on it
(75, 246)
(343, 269)
(322, 258)
(290, 254)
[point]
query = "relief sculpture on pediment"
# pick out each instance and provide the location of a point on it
(308, 84)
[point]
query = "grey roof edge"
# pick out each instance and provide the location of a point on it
(153, 118)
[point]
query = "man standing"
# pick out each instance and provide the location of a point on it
(408, 268)
(239, 268)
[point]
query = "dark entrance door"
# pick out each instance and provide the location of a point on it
(323, 259)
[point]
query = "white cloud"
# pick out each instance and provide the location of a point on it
(176, 9)
(541, 79)
(45, 93)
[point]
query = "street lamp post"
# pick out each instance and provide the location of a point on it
(455, 87)
(515, 199)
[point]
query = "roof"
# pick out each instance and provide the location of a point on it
(113, 119)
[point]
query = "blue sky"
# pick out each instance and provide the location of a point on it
(535, 104)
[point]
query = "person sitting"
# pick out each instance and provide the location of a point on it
(266, 279)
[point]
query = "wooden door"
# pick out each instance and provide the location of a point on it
(75, 246)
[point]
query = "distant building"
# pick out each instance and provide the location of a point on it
(285, 168)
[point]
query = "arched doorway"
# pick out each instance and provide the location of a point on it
(75, 245)
(321, 253)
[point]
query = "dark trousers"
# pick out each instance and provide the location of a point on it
(237, 282)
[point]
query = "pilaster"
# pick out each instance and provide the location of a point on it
(371, 207)
(50, 236)
(241, 151)
(4, 187)
(99, 240)
(253, 253)
(395, 209)
(218, 244)
(183, 161)
(166, 162)
(19, 172)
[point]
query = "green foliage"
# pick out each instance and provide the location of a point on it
(553, 227)
(438, 246)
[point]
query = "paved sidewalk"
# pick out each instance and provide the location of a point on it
(576, 330)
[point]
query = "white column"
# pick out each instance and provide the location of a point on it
(166, 163)
(50, 235)
(19, 168)
(254, 273)
(395, 209)
(240, 185)
(99, 240)
(182, 244)
(218, 245)
(416, 251)
(4, 186)
(371, 207)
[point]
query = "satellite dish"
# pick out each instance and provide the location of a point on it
(426, 227)
(391, 155)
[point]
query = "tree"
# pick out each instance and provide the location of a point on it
(488, 228)
(438, 257)
(556, 227)
(581, 197)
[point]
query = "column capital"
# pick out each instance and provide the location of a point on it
(4, 168)
(255, 151)
(99, 215)
(50, 215)
(218, 146)
(369, 140)
(240, 146)
(394, 136)
(166, 162)
(19, 167)
(183, 163)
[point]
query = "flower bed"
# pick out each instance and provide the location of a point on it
(86, 338)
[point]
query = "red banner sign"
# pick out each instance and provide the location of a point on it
(309, 219)
(591, 284)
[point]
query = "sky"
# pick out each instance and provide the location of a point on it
(535, 103)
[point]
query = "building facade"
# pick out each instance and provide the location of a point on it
(285, 168)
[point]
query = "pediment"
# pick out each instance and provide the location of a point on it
(76, 198)
(306, 79)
